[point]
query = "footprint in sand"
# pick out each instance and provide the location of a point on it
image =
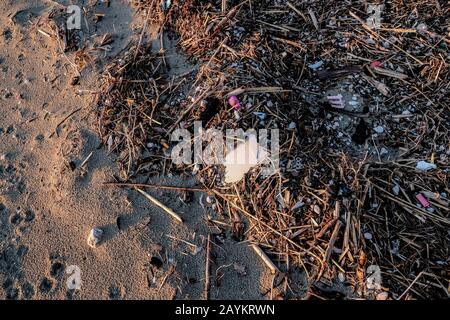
(21, 220)
(28, 290)
(11, 289)
(46, 285)
(57, 270)
(115, 293)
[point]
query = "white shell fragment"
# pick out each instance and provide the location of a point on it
(95, 237)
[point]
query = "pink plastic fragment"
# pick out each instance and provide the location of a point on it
(422, 200)
(336, 101)
(234, 102)
(375, 64)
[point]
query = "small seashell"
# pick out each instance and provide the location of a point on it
(203, 103)
(95, 236)
(383, 295)
(110, 142)
(210, 199)
(317, 209)
(196, 169)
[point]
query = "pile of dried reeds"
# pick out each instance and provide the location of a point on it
(345, 198)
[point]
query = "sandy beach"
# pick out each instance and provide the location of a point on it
(62, 161)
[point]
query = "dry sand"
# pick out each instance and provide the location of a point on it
(47, 209)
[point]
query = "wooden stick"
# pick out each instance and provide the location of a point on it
(154, 186)
(207, 267)
(87, 159)
(62, 121)
(290, 5)
(265, 258)
(313, 18)
(159, 204)
(224, 5)
(255, 90)
(333, 238)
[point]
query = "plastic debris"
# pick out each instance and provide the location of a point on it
(425, 166)
(261, 115)
(316, 65)
(336, 101)
(244, 157)
(234, 102)
(423, 201)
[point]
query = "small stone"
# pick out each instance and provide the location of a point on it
(95, 237)
(396, 189)
(379, 129)
(316, 65)
(317, 209)
(210, 199)
(367, 236)
(341, 277)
